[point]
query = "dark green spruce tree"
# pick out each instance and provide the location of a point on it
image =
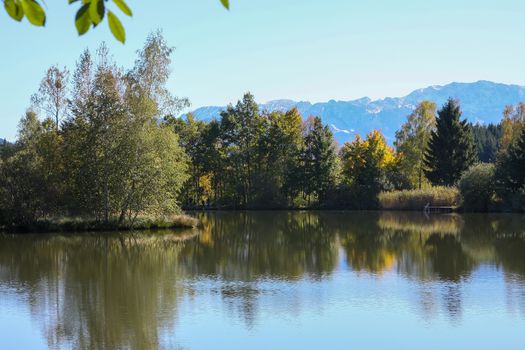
(487, 140)
(451, 149)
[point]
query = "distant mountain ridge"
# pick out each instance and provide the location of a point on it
(481, 101)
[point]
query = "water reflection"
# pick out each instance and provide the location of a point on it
(130, 290)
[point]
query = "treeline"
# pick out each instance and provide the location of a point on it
(254, 159)
(105, 144)
(98, 152)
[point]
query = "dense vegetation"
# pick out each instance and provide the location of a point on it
(100, 153)
(106, 145)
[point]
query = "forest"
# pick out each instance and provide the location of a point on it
(107, 144)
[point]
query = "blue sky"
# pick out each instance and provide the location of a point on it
(297, 49)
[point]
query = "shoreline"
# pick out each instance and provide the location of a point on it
(81, 225)
(186, 221)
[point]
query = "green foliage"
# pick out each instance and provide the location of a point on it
(418, 199)
(319, 163)
(254, 160)
(30, 179)
(110, 159)
(90, 14)
(116, 27)
(412, 140)
(451, 147)
(33, 12)
(241, 131)
(487, 139)
(477, 187)
(510, 172)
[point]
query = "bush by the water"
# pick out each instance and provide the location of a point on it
(439, 196)
(477, 187)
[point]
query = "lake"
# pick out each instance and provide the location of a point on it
(272, 280)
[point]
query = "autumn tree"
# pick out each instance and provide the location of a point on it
(412, 140)
(366, 167)
(512, 124)
(451, 148)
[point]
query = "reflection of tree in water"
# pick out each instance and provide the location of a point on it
(121, 291)
(448, 260)
(245, 249)
(252, 245)
(96, 292)
(367, 248)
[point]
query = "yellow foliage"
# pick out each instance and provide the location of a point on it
(512, 124)
(373, 151)
(205, 185)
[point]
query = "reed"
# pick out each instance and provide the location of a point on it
(438, 196)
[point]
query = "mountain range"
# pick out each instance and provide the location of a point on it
(481, 102)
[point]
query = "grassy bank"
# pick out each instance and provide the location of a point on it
(79, 224)
(417, 199)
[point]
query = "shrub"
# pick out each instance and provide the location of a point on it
(477, 187)
(417, 199)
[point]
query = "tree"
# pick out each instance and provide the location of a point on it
(487, 139)
(148, 79)
(241, 133)
(190, 133)
(280, 150)
(412, 140)
(52, 94)
(318, 160)
(477, 187)
(451, 148)
(30, 176)
(90, 14)
(120, 158)
(512, 124)
(510, 170)
(366, 165)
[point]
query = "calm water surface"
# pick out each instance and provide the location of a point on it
(272, 280)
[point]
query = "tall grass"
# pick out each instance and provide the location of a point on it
(82, 224)
(438, 196)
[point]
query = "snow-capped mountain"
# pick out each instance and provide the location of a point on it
(482, 101)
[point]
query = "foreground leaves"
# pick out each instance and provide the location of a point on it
(91, 13)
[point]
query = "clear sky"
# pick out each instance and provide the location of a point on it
(297, 49)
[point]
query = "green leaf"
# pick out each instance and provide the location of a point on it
(226, 3)
(123, 7)
(96, 11)
(34, 12)
(116, 27)
(14, 10)
(71, 1)
(83, 20)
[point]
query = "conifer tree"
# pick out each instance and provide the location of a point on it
(451, 149)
